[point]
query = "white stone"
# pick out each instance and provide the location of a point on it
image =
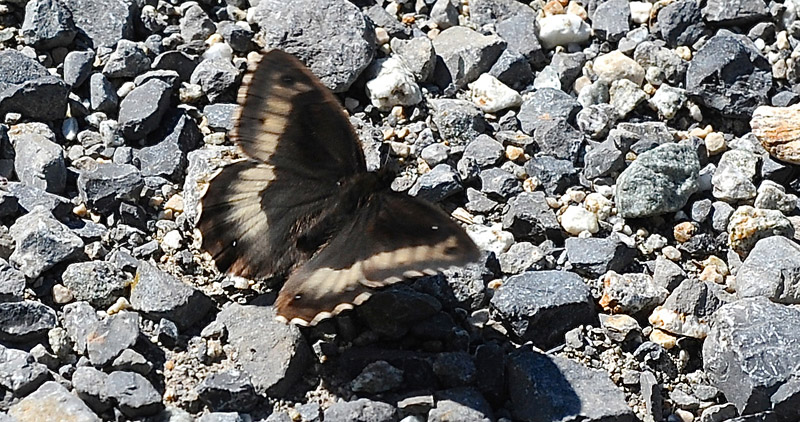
(491, 238)
(172, 240)
(680, 324)
(625, 96)
(491, 95)
(615, 66)
(390, 83)
(598, 204)
(220, 50)
(576, 220)
(640, 11)
(668, 101)
(547, 78)
(562, 30)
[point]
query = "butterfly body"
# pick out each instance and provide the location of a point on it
(304, 205)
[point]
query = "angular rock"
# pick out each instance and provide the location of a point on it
(390, 83)
(734, 12)
(218, 79)
(750, 351)
(104, 186)
(630, 293)
(733, 179)
(544, 388)
(418, 56)
(52, 399)
(97, 282)
(610, 20)
(512, 69)
(602, 159)
(733, 83)
(547, 105)
(377, 377)
(689, 307)
(140, 112)
(134, 394)
(221, 116)
(748, 225)
(276, 358)
(78, 67)
(540, 306)
(26, 87)
(127, 61)
(499, 183)
(228, 391)
(337, 41)
(454, 369)
(460, 404)
(177, 135)
(463, 55)
(519, 32)
(458, 121)
(103, 22)
(659, 181)
(102, 96)
(361, 410)
(559, 139)
(24, 321)
(12, 282)
(438, 184)
(195, 24)
(108, 338)
(41, 243)
(593, 257)
(772, 270)
(48, 24)
(178, 61)
(161, 295)
(391, 313)
(39, 162)
(681, 23)
(89, 384)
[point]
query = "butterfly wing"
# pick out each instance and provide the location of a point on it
(301, 145)
(392, 237)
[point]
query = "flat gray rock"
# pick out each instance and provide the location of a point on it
(161, 295)
(465, 54)
(42, 242)
(772, 270)
(104, 22)
(52, 399)
(97, 282)
(26, 87)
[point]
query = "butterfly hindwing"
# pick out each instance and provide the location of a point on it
(392, 237)
(301, 145)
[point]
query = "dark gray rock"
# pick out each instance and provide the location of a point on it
(519, 31)
(228, 391)
(667, 274)
(97, 282)
(218, 79)
(89, 383)
(39, 162)
(640, 137)
(596, 120)
(512, 69)
(134, 394)
(24, 321)
(102, 96)
(485, 151)
(631, 293)
(461, 404)
(276, 358)
(547, 105)
(377, 377)
(26, 87)
(12, 282)
(660, 63)
(729, 75)
(757, 417)
(721, 215)
(391, 313)
(41, 243)
(108, 338)
(772, 270)
(361, 410)
(540, 306)
(177, 135)
(140, 112)
(48, 24)
(737, 12)
(602, 159)
(195, 24)
(559, 139)
(458, 121)
(9, 205)
(221, 116)
(479, 202)
(610, 20)
(105, 185)
(78, 67)
(593, 257)
(750, 351)
(500, 184)
(104, 23)
(178, 61)
(520, 257)
(337, 41)
(434, 154)
(167, 333)
(439, 183)
(240, 39)
(568, 67)
(454, 369)
(659, 181)
(530, 218)
(444, 14)
(681, 23)
(128, 60)
(463, 55)
(383, 19)
(417, 54)
(545, 388)
(484, 12)
(52, 399)
(161, 295)
(786, 400)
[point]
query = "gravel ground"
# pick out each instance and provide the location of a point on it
(628, 168)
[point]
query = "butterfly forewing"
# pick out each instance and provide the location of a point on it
(392, 237)
(301, 145)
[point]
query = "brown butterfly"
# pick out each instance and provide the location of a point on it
(303, 203)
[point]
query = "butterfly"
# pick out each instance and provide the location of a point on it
(303, 205)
